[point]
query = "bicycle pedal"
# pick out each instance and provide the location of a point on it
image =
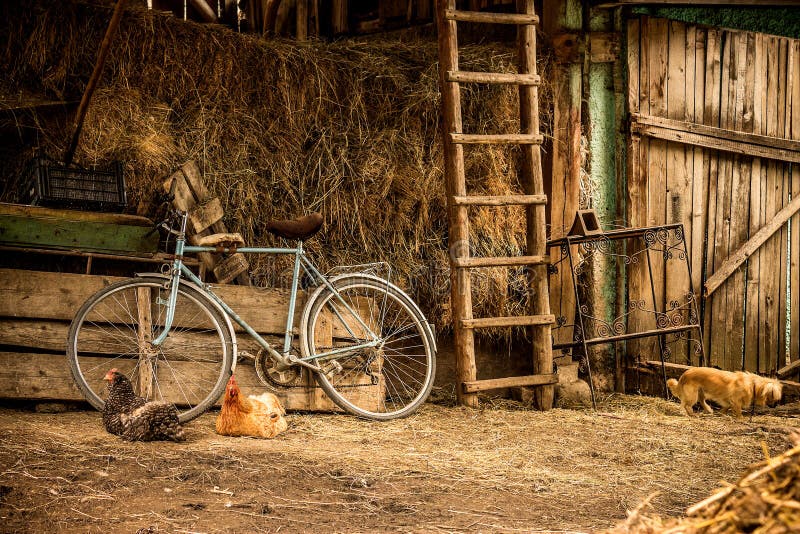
(331, 368)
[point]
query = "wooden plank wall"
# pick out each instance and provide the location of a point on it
(36, 309)
(736, 80)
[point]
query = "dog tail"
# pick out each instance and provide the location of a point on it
(673, 386)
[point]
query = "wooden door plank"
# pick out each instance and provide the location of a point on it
(794, 266)
(764, 254)
(638, 285)
(710, 164)
(740, 195)
(756, 211)
(657, 179)
(699, 183)
(719, 302)
(678, 190)
(637, 195)
(784, 130)
(767, 336)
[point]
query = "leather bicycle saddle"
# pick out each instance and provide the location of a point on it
(299, 228)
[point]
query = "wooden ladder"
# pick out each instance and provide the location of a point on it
(459, 202)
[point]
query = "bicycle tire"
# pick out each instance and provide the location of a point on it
(380, 385)
(190, 369)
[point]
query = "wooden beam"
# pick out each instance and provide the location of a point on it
(205, 10)
(530, 177)
(724, 139)
(496, 139)
(80, 115)
(753, 244)
(500, 200)
(493, 77)
(501, 261)
(302, 20)
(512, 381)
(518, 320)
(458, 216)
(339, 17)
(491, 18)
(789, 370)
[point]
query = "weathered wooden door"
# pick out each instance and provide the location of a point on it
(715, 124)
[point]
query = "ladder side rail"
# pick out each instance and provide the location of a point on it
(533, 183)
(460, 290)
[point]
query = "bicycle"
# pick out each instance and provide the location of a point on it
(367, 343)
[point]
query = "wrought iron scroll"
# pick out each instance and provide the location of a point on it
(675, 320)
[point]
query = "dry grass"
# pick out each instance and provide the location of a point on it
(502, 468)
(349, 128)
(766, 500)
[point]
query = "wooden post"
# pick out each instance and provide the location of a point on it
(460, 289)
(302, 20)
(93, 79)
(531, 178)
(339, 17)
(560, 18)
(144, 335)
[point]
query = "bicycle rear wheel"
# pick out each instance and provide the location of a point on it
(385, 381)
(113, 329)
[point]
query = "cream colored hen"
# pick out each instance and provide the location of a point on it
(259, 416)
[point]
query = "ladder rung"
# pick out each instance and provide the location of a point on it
(493, 77)
(500, 200)
(491, 18)
(512, 381)
(511, 139)
(516, 320)
(508, 261)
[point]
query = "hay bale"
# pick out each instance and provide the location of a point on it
(349, 128)
(766, 499)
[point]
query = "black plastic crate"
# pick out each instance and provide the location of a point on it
(49, 183)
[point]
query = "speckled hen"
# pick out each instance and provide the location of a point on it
(133, 418)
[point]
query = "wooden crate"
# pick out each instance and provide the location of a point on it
(36, 309)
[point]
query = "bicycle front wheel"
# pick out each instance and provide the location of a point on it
(381, 362)
(114, 328)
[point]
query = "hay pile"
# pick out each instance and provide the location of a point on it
(281, 128)
(765, 500)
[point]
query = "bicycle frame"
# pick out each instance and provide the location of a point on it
(180, 270)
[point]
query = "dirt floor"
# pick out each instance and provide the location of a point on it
(502, 468)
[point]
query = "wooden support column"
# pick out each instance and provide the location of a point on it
(339, 15)
(302, 20)
(561, 20)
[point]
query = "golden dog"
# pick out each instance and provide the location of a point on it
(731, 390)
